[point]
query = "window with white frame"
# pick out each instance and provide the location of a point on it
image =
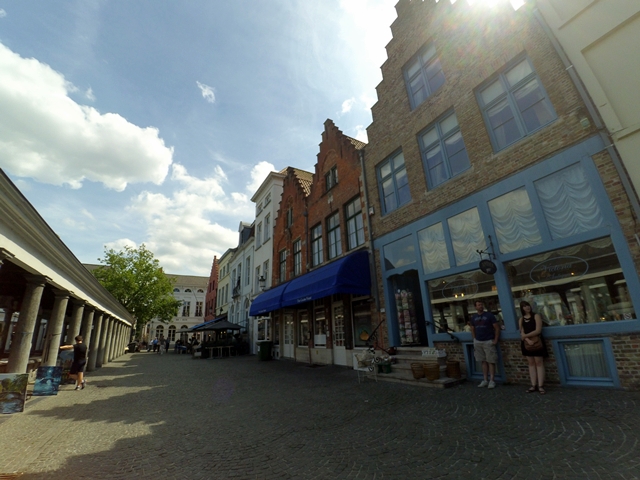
(267, 228)
(186, 308)
(331, 178)
(257, 284)
(355, 224)
(334, 239)
(282, 257)
(423, 75)
(259, 235)
(393, 183)
(267, 199)
(320, 324)
(265, 271)
(317, 255)
(297, 257)
(172, 333)
(443, 151)
(199, 309)
(515, 104)
(303, 328)
(248, 270)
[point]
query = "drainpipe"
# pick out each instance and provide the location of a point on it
(602, 131)
(372, 262)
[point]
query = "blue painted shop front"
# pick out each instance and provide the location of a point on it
(556, 242)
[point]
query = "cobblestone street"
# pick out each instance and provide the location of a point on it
(163, 417)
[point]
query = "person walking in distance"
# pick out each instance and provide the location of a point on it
(79, 361)
(485, 331)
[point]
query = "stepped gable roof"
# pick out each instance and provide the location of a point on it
(356, 143)
(305, 179)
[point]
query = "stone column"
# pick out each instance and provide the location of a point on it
(103, 340)
(76, 320)
(8, 315)
(95, 342)
(108, 339)
(119, 347)
(21, 344)
(87, 323)
(54, 336)
(112, 339)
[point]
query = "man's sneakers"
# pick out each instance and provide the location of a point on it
(484, 383)
(84, 382)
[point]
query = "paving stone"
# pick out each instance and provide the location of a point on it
(150, 416)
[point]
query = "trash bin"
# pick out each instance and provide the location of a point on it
(132, 347)
(264, 353)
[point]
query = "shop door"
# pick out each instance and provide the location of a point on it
(339, 350)
(287, 345)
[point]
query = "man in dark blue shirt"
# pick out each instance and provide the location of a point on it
(485, 331)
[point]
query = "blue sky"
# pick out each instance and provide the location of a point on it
(148, 121)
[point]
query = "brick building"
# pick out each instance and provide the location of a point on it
(212, 292)
(481, 142)
(321, 301)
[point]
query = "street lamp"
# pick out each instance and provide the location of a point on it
(262, 282)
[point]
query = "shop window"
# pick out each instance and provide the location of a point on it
(334, 239)
(443, 151)
(355, 224)
(399, 253)
(568, 202)
(581, 284)
(467, 236)
(303, 328)
(452, 300)
(393, 183)
(515, 105)
(408, 309)
(263, 327)
(586, 362)
(433, 249)
(319, 324)
(423, 75)
(514, 221)
(362, 325)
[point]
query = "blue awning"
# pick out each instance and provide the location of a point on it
(349, 274)
(268, 301)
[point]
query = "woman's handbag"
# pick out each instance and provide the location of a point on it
(533, 343)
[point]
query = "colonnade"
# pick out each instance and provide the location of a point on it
(66, 316)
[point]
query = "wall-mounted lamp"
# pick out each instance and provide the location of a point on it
(262, 282)
(371, 211)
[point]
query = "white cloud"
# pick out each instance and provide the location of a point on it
(3, 13)
(361, 134)
(119, 244)
(87, 214)
(89, 94)
(258, 174)
(207, 92)
(184, 230)
(47, 136)
(347, 105)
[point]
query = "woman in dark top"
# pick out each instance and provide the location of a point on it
(530, 324)
(79, 361)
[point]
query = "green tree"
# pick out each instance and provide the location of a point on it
(134, 277)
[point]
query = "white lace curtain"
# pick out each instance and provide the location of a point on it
(513, 219)
(466, 236)
(433, 249)
(586, 360)
(568, 202)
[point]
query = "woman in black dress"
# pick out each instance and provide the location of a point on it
(530, 326)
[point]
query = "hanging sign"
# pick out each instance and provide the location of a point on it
(488, 267)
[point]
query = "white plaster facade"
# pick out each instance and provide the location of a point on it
(600, 39)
